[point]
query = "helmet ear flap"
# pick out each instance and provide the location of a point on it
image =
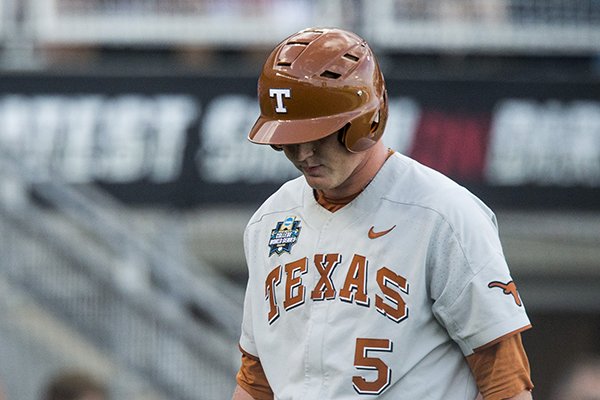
(342, 134)
(380, 117)
(375, 123)
(364, 131)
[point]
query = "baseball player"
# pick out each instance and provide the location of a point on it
(371, 275)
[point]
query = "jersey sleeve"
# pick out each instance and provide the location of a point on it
(247, 337)
(474, 295)
(251, 376)
(247, 342)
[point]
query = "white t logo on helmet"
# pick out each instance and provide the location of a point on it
(279, 94)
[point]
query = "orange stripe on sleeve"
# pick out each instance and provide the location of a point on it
(501, 369)
(251, 377)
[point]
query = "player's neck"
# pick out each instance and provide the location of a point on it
(361, 176)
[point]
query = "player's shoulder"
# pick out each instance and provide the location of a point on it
(288, 197)
(417, 185)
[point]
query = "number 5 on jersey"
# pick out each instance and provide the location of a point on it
(363, 361)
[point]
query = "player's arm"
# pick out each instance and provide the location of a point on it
(502, 370)
(525, 395)
(241, 394)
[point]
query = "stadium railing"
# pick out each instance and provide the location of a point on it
(505, 26)
(75, 257)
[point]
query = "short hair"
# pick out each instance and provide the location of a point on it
(73, 385)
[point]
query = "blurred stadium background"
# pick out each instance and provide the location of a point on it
(126, 179)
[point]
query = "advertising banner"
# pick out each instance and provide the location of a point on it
(181, 140)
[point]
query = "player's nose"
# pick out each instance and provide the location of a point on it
(305, 150)
(302, 151)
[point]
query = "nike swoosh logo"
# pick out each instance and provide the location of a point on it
(375, 235)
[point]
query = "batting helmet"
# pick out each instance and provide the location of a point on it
(317, 82)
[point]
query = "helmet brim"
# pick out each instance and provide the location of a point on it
(278, 132)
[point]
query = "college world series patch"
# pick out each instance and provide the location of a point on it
(284, 236)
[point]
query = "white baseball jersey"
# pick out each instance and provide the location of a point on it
(381, 299)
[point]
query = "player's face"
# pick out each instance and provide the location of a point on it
(328, 166)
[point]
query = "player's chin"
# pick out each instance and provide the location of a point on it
(317, 182)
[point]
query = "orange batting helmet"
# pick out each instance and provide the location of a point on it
(317, 82)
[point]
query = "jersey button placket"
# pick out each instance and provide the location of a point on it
(317, 325)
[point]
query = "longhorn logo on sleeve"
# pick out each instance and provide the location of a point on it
(509, 288)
